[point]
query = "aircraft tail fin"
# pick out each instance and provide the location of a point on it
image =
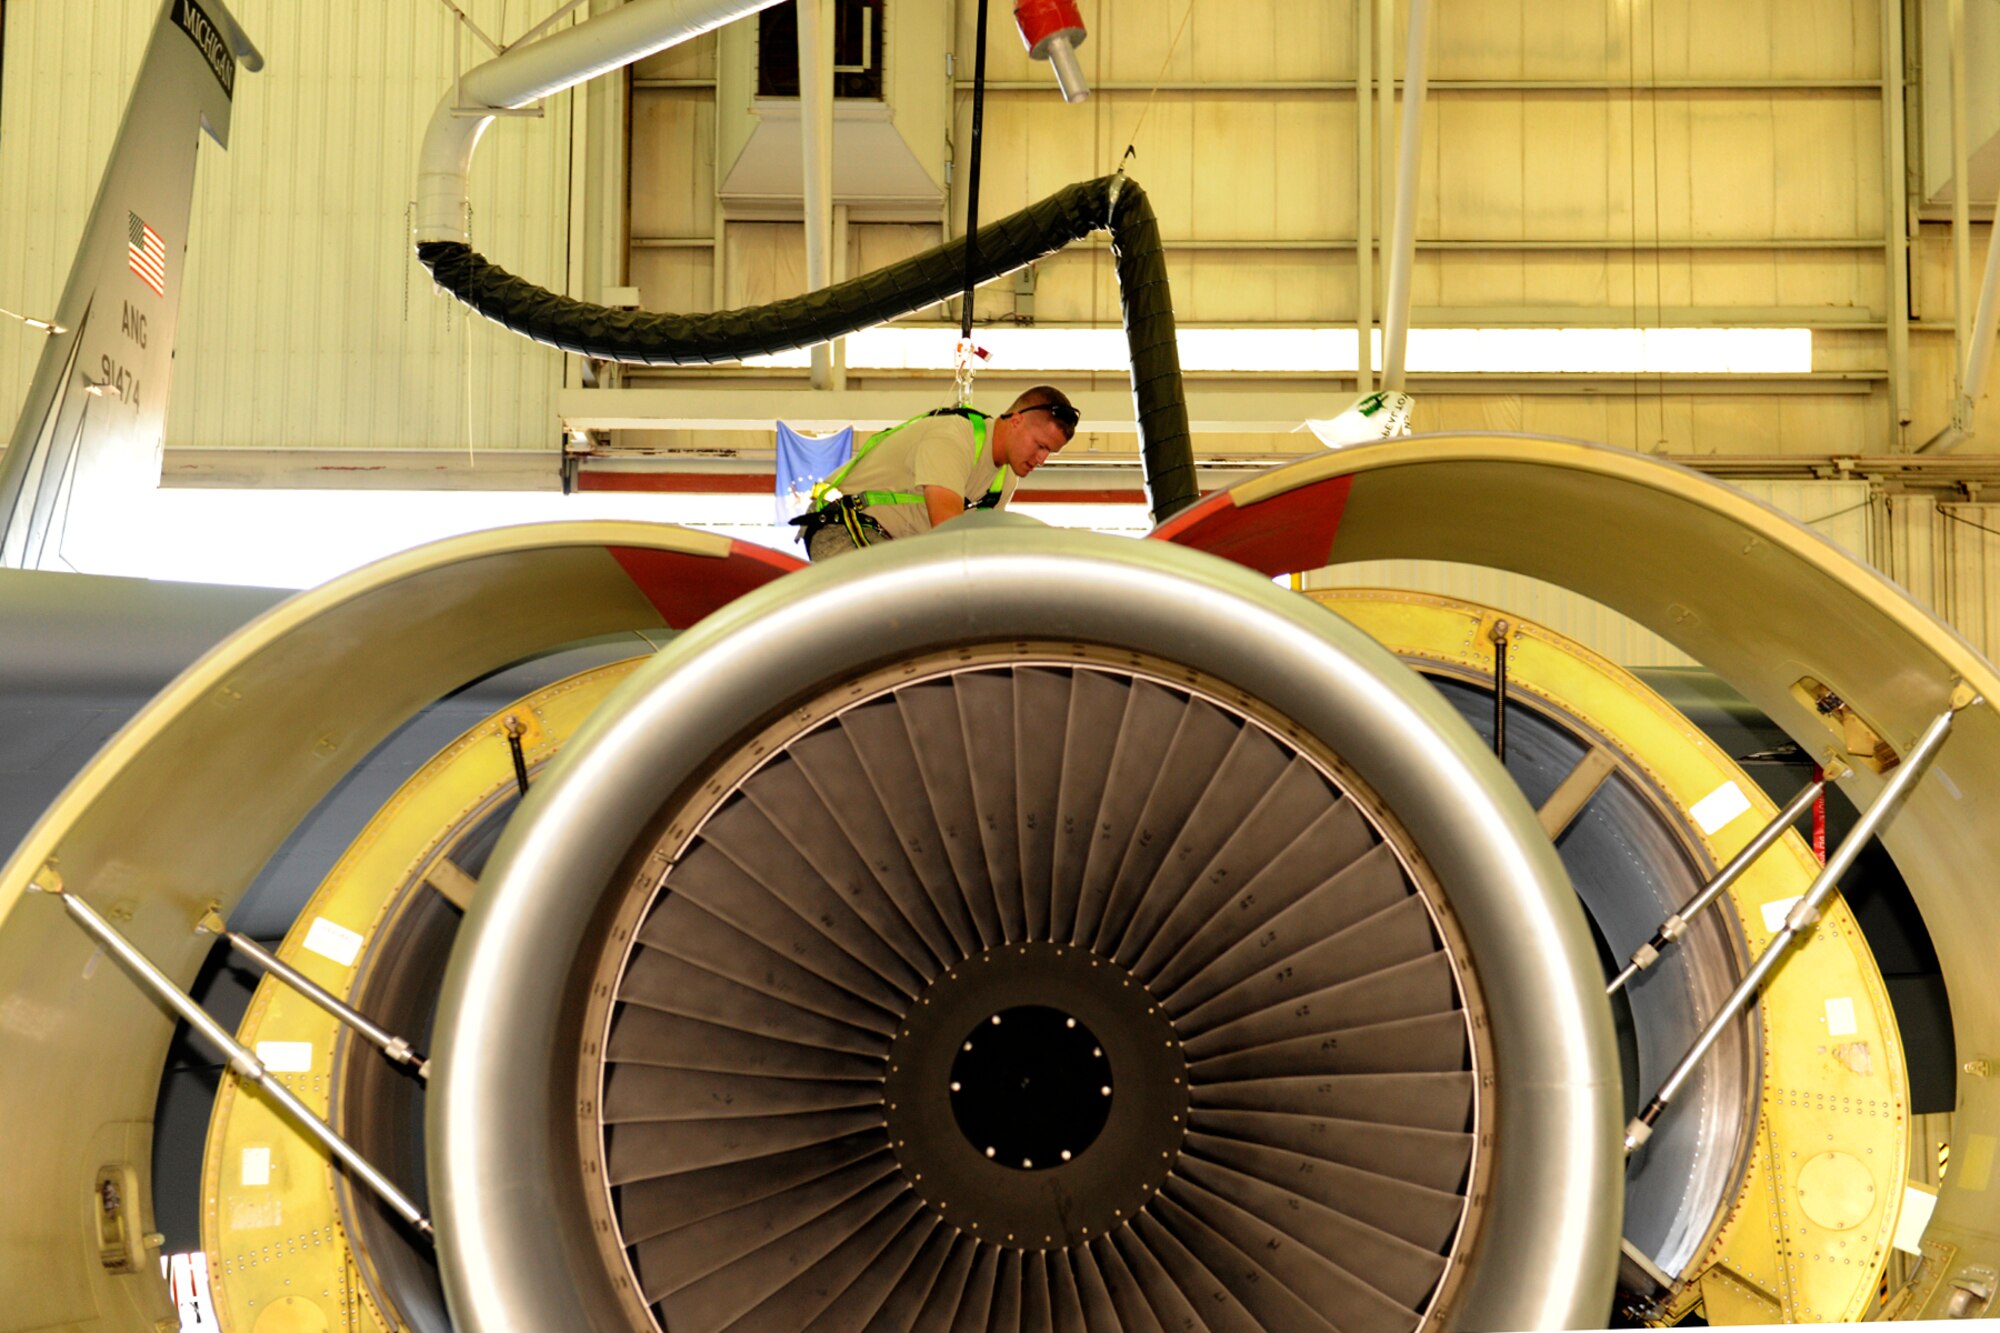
(93, 423)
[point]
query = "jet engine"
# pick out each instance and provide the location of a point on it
(1014, 928)
(1013, 921)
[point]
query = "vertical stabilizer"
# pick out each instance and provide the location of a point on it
(96, 412)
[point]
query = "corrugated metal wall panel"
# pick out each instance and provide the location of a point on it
(1838, 510)
(55, 133)
(1625, 162)
(307, 323)
(1771, 192)
(1933, 359)
(1968, 545)
(1907, 546)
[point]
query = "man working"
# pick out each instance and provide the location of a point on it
(912, 477)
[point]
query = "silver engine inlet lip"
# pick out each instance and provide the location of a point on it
(500, 1121)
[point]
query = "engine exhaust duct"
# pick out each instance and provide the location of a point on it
(520, 75)
(1113, 202)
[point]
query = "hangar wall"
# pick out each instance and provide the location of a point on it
(1585, 165)
(309, 325)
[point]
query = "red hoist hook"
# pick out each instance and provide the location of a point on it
(1052, 30)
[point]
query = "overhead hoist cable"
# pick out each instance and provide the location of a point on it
(1132, 141)
(972, 177)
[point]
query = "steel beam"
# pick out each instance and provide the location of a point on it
(1248, 410)
(815, 18)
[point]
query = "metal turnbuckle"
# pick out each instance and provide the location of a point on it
(1683, 916)
(240, 1057)
(1804, 912)
(396, 1048)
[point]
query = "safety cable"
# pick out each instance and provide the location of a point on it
(1132, 143)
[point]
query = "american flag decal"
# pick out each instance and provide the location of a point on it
(146, 253)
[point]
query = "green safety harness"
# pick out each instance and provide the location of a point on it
(830, 506)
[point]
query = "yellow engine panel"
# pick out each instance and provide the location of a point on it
(1806, 1238)
(1809, 1233)
(279, 1258)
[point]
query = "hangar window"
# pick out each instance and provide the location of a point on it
(857, 50)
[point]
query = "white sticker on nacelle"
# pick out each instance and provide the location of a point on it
(256, 1166)
(330, 939)
(1720, 806)
(1776, 911)
(286, 1057)
(1840, 1017)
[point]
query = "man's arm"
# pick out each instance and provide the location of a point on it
(943, 503)
(940, 464)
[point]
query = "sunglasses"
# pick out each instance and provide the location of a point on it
(1061, 413)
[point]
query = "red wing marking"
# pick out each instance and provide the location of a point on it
(1282, 535)
(683, 588)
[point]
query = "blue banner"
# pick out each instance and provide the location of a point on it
(803, 462)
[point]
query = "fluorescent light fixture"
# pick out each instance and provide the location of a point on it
(1318, 351)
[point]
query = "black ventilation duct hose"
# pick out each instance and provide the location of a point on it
(1012, 242)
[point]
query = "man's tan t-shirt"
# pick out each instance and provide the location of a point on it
(931, 451)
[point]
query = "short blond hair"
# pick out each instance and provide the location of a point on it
(1046, 395)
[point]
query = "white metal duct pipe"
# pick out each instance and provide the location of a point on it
(1961, 195)
(1385, 137)
(522, 74)
(1403, 245)
(816, 134)
(1978, 353)
(1896, 200)
(1364, 175)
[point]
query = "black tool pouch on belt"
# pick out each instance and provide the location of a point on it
(841, 513)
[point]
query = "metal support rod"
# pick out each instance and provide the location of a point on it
(1803, 914)
(1364, 188)
(1978, 353)
(1683, 916)
(391, 1045)
(1896, 219)
(840, 274)
(547, 23)
(1385, 140)
(816, 130)
(1403, 246)
(1961, 194)
(240, 1057)
(466, 20)
(1499, 634)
